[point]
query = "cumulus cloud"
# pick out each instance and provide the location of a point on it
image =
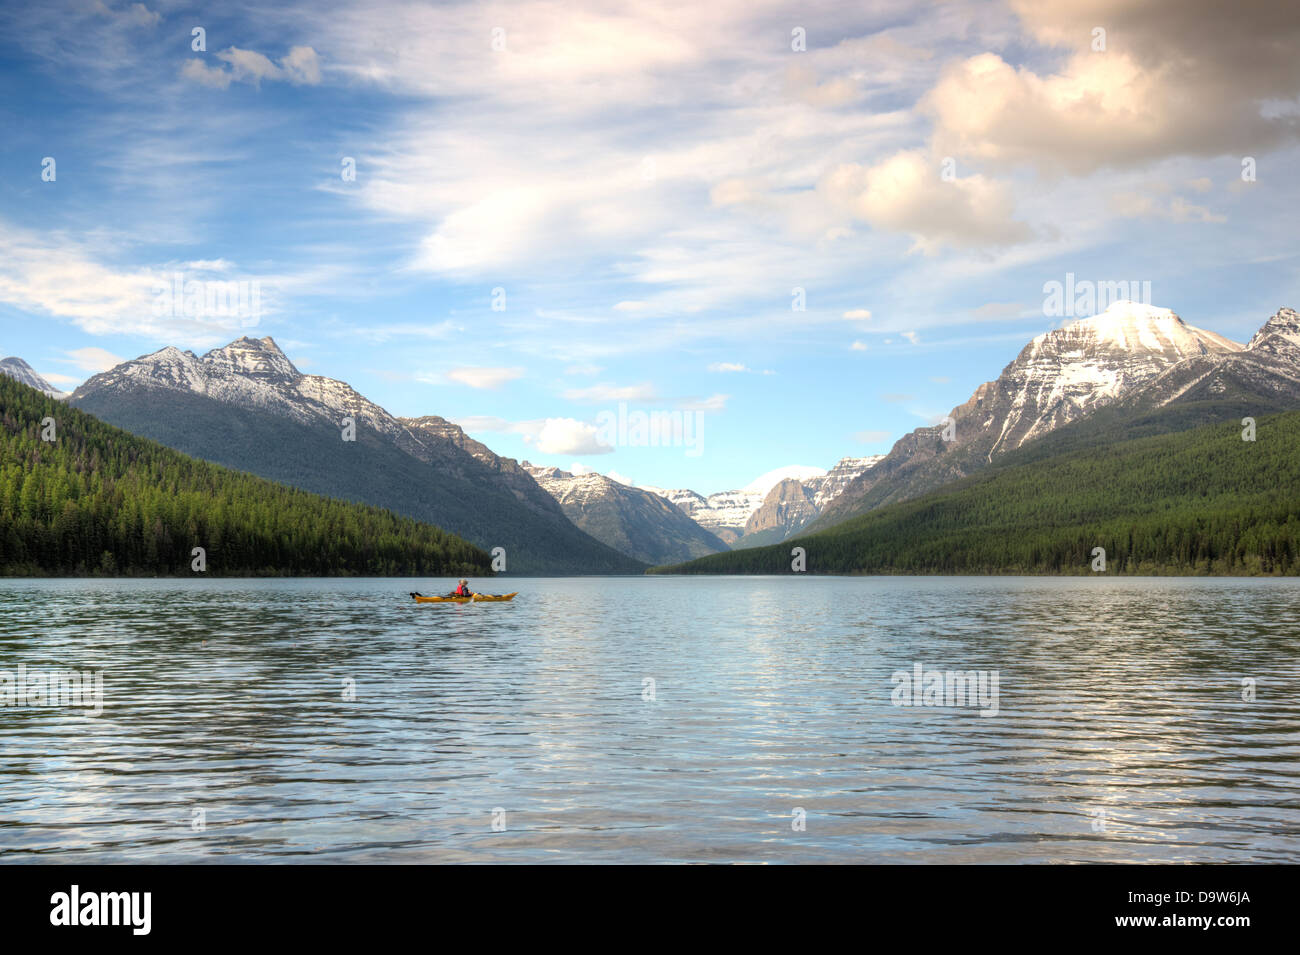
(905, 193)
(568, 436)
(1177, 77)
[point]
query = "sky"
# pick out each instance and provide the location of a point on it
(792, 231)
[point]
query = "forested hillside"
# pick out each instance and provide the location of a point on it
(98, 500)
(1199, 501)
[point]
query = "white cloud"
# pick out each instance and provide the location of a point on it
(1135, 205)
(568, 436)
(51, 274)
(92, 359)
(1177, 77)
(605, 392)
(200, 72)
(438, 331)
(711, 403)
(727, 366)
(905, 193)
(486, 378)
(858, 346)
(858, 315)
(301, 67)
(56, 379)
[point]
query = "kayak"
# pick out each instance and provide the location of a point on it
(477, 598)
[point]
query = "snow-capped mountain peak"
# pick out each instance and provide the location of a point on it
(1135, 327)
(19, 370)
(1281, 332)
(255, 357)
(1067, 372)
(1060, 376)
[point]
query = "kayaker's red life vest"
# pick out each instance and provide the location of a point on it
(461, 590)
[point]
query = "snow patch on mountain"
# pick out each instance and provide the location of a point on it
(19, 370)
(728, 513)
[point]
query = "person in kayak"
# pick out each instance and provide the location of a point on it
(462, 590)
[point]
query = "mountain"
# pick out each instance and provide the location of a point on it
(435, 432)
(786, 508)
(1198, 501)
(727, 513)
(247, 407)
(19, 370)
(633, 521)
(831, 485)
(97, 500)
(723, 514)
(1163, 476)
(768, 508)
(1059, 377)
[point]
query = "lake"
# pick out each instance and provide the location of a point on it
(656, 720)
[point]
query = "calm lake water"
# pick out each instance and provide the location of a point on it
(1121, 731)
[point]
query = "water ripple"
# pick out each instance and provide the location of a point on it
(1121, 733)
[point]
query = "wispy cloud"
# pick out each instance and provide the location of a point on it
(300, 66)
(606, 392)
(478, 377)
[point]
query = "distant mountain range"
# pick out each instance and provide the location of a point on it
(1124, 431)
(1133, 371)
(767, 503)
(19, 370)
(791, 505)
(247, 407)
(629, 519)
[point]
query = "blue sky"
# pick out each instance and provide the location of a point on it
(647, 184)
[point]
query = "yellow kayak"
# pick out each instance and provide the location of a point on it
(477, 598)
